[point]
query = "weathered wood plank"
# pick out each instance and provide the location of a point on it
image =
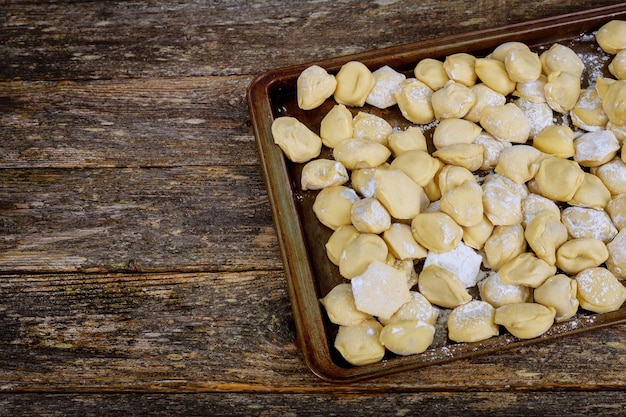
(71, 40)
(232, 332)
(127, 123)
(463, 404)
(179, 219)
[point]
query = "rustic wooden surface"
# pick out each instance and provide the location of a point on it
(139, 268)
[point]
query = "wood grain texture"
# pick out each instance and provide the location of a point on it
(139, 268)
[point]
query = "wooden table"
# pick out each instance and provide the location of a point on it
(139, 267)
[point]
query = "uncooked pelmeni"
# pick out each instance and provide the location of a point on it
(451, 176)
(359, 344)
(502, 200)
(453, 100)
(460, 67)
(522, 65)
(535, 203)
(415, 102)
(472, 322)
(475, 236)
(442, 287)
(466, 155)
(612, 36)
(419, 165)
(380, 290)
(507, 122)
(407, 337)
(400, 195)
(387, 83)
(498, 294)
(504, 244)
(336, 126)
(525, 320)
(401, 242)
(616, 262)
(464, 203)
(295, 139)
(617, 66)
(588, 113)
(360, 252)
(562, 91)
(556, 140)
(613, 175)
(532, 90)
(583, 222)
(436, 231)
(338, 240)
(340, 306)
(418, 308)
(561, 58)
(431, 72)
(463, 261)
(354, 83)
(361, 153)
(322, 173)
(410, 139)
(616, 208)
(453, 131)
(599, 290)
(545, 234)
(519, 163)
(576, 255)
(485, 97)
(558, 178)
(558, 292)
(333, 204)
(540, 115)
(368, 215)
(371, 127)
(591, 193)
(526, 269)
(313, 86)
(595, 148)
(493, 73)
(492, 148)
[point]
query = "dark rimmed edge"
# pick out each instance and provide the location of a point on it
(300, 280)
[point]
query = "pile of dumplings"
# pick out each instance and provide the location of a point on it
(523, 198)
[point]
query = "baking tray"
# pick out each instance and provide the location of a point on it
(309, 273)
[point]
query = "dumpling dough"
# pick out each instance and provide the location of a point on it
(418, 308)
(431, 72)
(463, 261)
(519, 163)
(472, 322)
(296, 140)
(360, 252)
(612, 175)
(556, 140)
(522, 65)
(314, 86)
(460, 67)
(576, 255)
(558, 178)
(498, 294)
(442, 287)
(407, 337)
(400, 195)
(494, 74)
(464, 203)
(338, 240)
(371, 127)
(588, 113)
(387, 82)
(526, 269)
(359, 344)
(595, 148)
(401, 242)
(380, 290)
(354, 83)
(322, 173)
(504, 244)
(562, 91)
(502, 200)
(361, 153)
(611, 37)
(333, 206)
(599, 290)
(561, 58)
(415, 102)
(369, 216)
(453, 131)
(436, 231)
(545, 234)
(616, 262)
(507, 122)
(336, 126)
(411, 139)
(591, 193)
(453, 100)
(558, 292)
(340, 306)
(485, 97)
(525, 320)
(616, 208)
(582, 222)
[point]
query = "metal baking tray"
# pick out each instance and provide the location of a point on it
(309, 273)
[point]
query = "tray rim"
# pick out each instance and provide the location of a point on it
(298, 271)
